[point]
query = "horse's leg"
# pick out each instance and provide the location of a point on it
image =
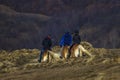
(61, 52)
(80, 52)
(51, 58)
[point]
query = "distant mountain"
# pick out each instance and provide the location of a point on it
(20, 30)
(96, 20)
(53, 7)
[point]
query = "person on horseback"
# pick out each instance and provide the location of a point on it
(46, 43)
(65, 42)
(76, 37)
(76, 40)
(66, 39)
(77, 49)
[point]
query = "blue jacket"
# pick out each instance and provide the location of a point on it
(66, 39)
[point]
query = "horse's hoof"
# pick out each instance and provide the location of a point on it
(39, 61)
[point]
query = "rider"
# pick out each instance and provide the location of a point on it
(76, 37)
(46, 43)
(77, 40)
(66, 39)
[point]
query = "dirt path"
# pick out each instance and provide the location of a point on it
(68, 72)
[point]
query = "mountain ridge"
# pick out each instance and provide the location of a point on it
(102, 14)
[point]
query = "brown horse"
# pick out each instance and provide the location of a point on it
(74, 51)
(77, 50)
(65, 52)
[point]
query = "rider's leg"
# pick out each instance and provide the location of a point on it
(40, 55)
(70, 50)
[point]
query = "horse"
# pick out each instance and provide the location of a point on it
(74, 51)
(77, 50)
(50, 56)
(65, 52)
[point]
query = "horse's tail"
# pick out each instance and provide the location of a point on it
(82, 49)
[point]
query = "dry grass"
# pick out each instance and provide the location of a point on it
(17, 58)
(23, 65)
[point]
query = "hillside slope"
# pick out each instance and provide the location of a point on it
(22, 65)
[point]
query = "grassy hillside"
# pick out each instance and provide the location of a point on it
(22, 65)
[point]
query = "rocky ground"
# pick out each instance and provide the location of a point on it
(22, 65)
